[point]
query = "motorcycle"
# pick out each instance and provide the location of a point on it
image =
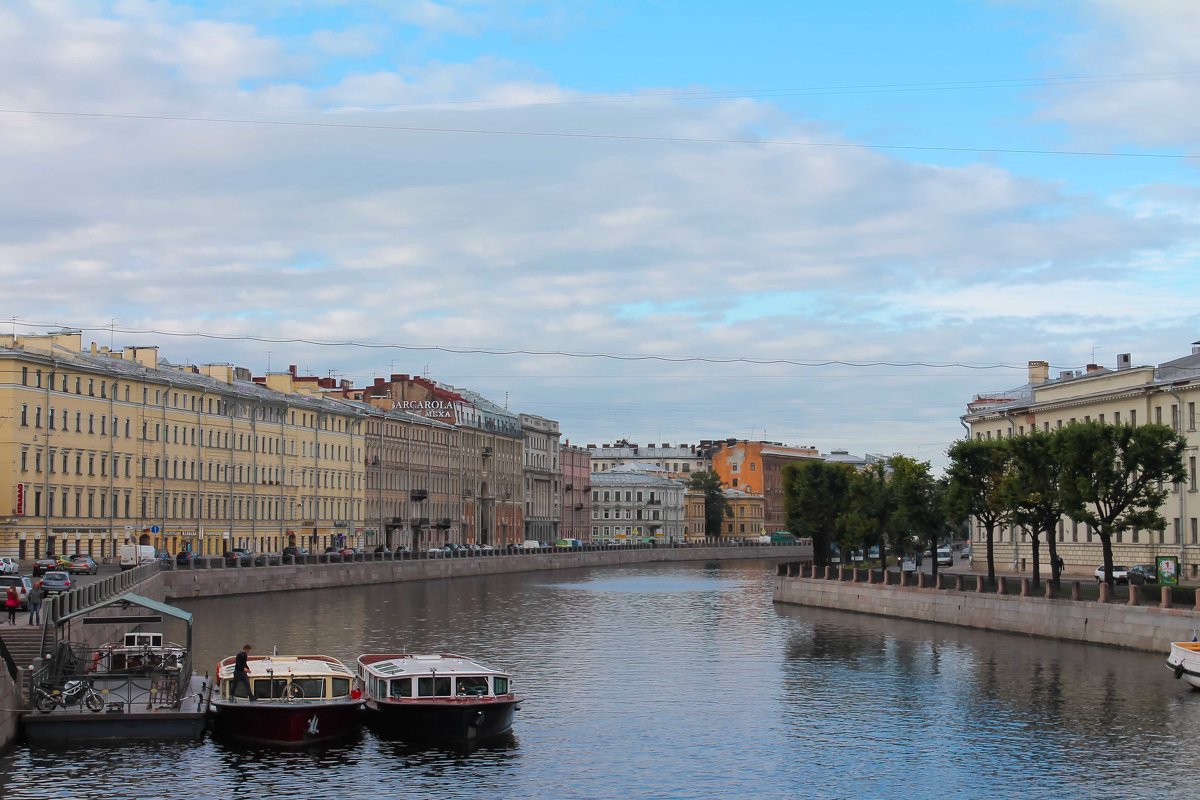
(73, 692)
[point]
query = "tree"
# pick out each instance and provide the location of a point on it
(716, 505)
(815, 499)
(1113, 475)
(872, 499)
(1030, 491)
(918, 512)
(976, 471)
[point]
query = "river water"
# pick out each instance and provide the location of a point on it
(679, 681)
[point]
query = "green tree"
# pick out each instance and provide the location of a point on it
(1113, 475)
(918, 512)
(716, 505)
(815, 499)
(872, 499)
(975, 474)
(1030, 491)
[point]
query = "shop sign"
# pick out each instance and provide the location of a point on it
(1168, 570)
(20, 500)
(430, 409)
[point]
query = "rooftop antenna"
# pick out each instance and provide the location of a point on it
(506, 401)
(269, 360)
(112, 331)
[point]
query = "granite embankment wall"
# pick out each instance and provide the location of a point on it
(9, 704)
(185, 583)
(1118, 625)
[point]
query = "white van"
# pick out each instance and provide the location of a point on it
(133, 555)
(945, 557)
(532, 544)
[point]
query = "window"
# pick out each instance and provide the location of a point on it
(433, 687)
(400, 687)
(24, 415)
(37, 417)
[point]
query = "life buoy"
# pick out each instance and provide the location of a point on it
(1178, 671)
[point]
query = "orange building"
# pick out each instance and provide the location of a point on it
(753, 468)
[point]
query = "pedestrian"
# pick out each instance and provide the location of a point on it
(12, 601)
(35, 603)
(1060, 564)
(241, 673)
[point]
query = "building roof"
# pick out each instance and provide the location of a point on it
(634, 475)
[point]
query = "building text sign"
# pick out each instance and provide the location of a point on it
(431, 409)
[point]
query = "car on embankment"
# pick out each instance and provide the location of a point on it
(1120, 574)
(56, 582)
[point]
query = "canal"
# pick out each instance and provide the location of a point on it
(679, 681)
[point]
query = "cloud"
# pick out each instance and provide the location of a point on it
(1151, 96)
(528, 242)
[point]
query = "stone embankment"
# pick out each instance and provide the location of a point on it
(203, 580)
(971, 602)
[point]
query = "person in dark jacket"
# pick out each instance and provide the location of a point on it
(241, 672)
(35, 603)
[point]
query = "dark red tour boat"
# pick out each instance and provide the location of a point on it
(297, 700)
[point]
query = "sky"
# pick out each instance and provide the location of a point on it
(822, 224)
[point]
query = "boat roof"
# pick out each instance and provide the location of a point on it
(388, 665)
(314, 666)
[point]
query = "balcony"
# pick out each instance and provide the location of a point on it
(442, 524)
(418, 495)
(486, 452)
(653, 502)
(420, 522)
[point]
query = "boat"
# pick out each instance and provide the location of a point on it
(439, 696)
(1184, 661)
(297, 700)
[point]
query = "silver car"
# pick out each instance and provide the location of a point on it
(23, 584)
(55, 582)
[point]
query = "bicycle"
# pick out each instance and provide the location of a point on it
(73, 692)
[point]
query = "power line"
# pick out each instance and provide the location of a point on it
(594, 136)
(520, 351)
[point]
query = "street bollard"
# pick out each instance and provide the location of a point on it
(1001, 585)
(1105, 592)
(1164, 597)
(1049, 593)
(979, 581)
(958, 583)
(1135, 592)
(1024, 587)
(1076, 591)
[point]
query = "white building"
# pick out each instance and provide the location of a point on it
(635, 502)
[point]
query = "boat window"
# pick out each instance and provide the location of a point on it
(341, 687)
(313, 688)
(472, 685)
(501, 685)
(402, 687)
(433, 687)
(266, 687)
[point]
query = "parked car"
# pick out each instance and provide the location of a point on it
(56, 581)
(235, 558)
(163, 557)
(185, 557)
(295, 551)
(945, 557)
(1143, 573)
(85, 565)
(41, 566)
(485, 548)
(382, 548)
(9, 566)
(435, 552)
(23, 585)
(268, 560)
(966, 551)
(1120, 574)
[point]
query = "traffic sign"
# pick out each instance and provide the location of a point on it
(154, 529)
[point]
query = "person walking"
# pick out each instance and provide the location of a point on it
(35, 603)
(12, 601)
(241, 672)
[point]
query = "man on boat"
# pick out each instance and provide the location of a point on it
(241, 673)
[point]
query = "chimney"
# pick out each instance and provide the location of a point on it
(1039, 371)
(1195, 348)
(1124, 360)
(1093, 368)
(1065, 374)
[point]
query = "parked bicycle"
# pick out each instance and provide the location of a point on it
(73, 692)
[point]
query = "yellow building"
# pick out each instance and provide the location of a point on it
(1167, 393)
(745, 515)
(102, 447)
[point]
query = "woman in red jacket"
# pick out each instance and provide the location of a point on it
(12, 601)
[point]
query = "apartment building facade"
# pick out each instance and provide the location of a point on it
(542, 478)
(100, 447)
(754, 468)
(637, 503)
(1166, 393)
(576, 503)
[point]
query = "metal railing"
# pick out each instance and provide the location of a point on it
(151, 684)
(60, 605)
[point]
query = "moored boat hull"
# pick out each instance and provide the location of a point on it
(1184, 661)
(295, 723)
(444, 721)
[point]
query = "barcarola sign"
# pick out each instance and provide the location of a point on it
(432, 409)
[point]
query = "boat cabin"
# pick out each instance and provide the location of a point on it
(409, 676)
(289, 678)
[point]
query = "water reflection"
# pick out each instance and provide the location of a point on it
(672, 680)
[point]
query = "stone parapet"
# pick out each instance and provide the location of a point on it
(1150, 628)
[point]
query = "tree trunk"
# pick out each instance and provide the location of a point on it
(933, 555)
(990, 530)
(1052, 549)
(1106, 544)
(1036, 544)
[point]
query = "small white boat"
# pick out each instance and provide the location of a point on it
(437, 695)
(139, 652)
(1184, 661)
